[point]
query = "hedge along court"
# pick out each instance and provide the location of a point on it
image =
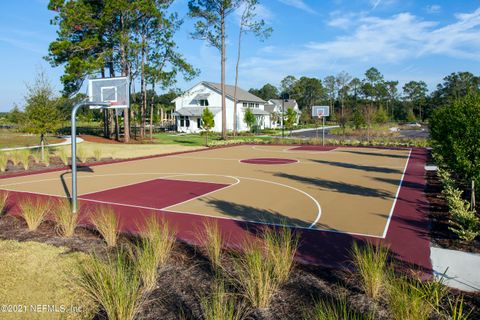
(346, 192)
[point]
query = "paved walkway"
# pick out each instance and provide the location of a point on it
(67, 141)
(458, 269)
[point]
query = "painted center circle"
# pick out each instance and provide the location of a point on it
(269, 161)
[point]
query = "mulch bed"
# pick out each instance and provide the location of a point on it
(188, 277)
(439, 217)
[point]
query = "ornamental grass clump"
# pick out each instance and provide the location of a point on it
(371, 263)
(34, 211)
(211, 240)
(66, 220)
(3, 201)
(107, 224)
(115, 285)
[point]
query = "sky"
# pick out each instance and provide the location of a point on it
(404, 39)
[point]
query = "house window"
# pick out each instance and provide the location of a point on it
(251, 105)
(203, 102)
(187, 122)
(182, 121)
(199, 123)
(245, 105)
(257, 105)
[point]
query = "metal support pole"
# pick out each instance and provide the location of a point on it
(283, 120)
(323, 131)
(74, 147)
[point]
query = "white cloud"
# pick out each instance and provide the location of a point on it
(299, 4)
(372, 40)
(434, 8)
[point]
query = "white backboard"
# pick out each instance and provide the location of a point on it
(112, 90)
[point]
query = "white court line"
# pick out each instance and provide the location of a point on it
(396, 196)
(286, 150)
(213, 216)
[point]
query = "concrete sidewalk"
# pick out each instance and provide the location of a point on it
(68, 140)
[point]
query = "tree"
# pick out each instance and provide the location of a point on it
(41, 114)
(290, 119)
(368, 114)
(381, 115)
(249, 118)
(210, 26)
(267, 92)
(373, 85)
(415, 94)
(208, 122)
(248, 24)
(392, 95)
(456, 137)
(286, 85)
(343, 79)
(330, 85)
(343, 119)
(15, 116)
(307, 91)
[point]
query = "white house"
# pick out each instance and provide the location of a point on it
(277, 107)
(190, 105)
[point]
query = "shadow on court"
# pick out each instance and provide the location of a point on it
(356, 166)
(335, 186)
(366, 153)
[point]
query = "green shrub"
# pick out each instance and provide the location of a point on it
(371, 264)
(113, 284)
(464, 222)
(34, 211)
(455, 136)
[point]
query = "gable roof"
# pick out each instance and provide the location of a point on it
(242, 95)
(290, 103)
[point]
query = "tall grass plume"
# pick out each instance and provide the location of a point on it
(66, 220)
(34, 211)
(107, 224)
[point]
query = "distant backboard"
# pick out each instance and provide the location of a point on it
(320, 111)
(112, 90)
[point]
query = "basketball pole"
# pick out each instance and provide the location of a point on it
(74, 146)
(323, 131)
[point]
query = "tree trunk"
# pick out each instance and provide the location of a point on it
(143, 108)
(117, 136)
(224, 102)
(236, 81)
(125, 71)
(151, 110)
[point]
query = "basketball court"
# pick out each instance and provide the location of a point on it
(343, 190)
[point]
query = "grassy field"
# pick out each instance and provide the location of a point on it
(9, 139)
(196, 139)
(41, 274)
(124, 151)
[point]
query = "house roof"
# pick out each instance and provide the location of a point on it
(269, 107)
(290, 103)
(259, 112)
(242, 95)
(195, 111)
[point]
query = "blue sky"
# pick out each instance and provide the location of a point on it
(405, 39)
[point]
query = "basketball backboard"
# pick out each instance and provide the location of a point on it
(111, 90)
(320, 111)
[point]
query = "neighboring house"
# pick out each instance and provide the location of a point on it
(278, 106)
(190, 105)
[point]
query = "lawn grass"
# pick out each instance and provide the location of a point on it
(35, 273)
(197, 139)
(121, 150)
(11, 139)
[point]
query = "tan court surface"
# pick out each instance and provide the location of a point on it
(347, 189)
